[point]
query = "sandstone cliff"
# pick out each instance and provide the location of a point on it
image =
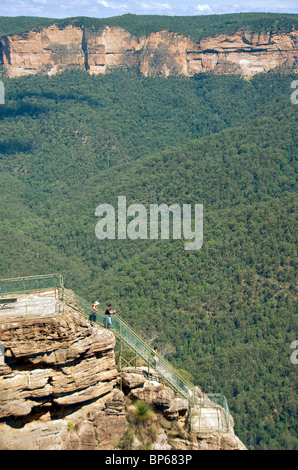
(59, 389)
(163, 53)
(54, 368)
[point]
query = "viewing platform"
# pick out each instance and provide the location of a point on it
(31, 297)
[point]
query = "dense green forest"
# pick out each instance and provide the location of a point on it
(197, 27)
(225, 312)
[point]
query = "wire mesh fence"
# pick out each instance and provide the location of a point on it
(29, 284)
(211, 413)
(31, 297)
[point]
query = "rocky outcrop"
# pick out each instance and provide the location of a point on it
(57, 385)
(163, 53)
(48, 51)
(160, 396)
(59, 362)
(98, 425)
(60, 390)
(176, 433)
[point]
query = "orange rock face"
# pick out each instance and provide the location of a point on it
(52, 50)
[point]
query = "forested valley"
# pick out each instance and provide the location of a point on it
(225, 314)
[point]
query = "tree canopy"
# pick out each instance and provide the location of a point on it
(73, 141)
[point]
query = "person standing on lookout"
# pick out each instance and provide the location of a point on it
(108, 313)
(154, 358)
(94, 311)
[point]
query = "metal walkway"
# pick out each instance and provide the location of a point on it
(208, 412)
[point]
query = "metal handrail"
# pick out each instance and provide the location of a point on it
(164, 368)
(37, 276)
(173, 378)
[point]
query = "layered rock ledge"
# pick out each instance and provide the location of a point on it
(56, 371)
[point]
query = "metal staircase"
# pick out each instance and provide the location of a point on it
(132, 339)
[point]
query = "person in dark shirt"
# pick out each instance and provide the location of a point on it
(108, 313)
